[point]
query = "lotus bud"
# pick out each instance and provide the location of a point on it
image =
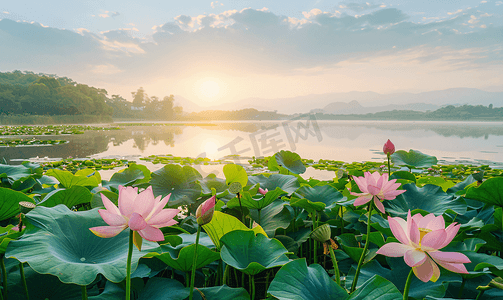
(321, 233)
(388, 148)
(262, 191)
(25, 206)
(204, 212)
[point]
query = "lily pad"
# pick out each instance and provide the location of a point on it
(397, 276)
(274, 216)
(221, 292)
(376, 288)
(163, 289)
(287, 183)
(181, 257)
(248, 201)
(252, 253)
(9, 202)
(67, 179)
(490, 191)
(430, 199)
(413, 159)
(297, 281)
(235, 173)
(222, 223)
(70, 197)
(57, 241)
(177, 181)
(40, 286)
(321, 193)
(125, 177)
(290, 161)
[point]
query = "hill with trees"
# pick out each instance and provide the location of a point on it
(27, 93)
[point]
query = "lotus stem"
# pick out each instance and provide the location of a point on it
(336, 266)
(241, 208)
(389, 167)
(128, 267)
(481, 292)
(461, 288)
(219, 278)
(84, 292)
(365, 248)
(267, 283)
(252, 280)
(4, 275)
(407, 285)
(226, 274)
(258, 211)
(23, 279)
(194, 264)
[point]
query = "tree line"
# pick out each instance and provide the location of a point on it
(27, 93)
(450, 112)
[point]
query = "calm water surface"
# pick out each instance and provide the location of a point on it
(450, 142)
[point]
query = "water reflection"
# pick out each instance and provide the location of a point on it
(341, 140)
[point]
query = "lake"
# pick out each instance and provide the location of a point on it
(450, 142)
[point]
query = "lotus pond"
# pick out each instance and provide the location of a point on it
(407, 228)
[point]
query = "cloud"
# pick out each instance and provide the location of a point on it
(259, 42)
(105, 69)
(360, 7)
(6, 12)
(216, 4)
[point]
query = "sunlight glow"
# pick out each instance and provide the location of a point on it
(209, 89)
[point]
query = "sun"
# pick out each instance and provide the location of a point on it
(209, 89)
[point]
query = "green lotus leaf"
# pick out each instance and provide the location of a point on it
(212, 181)
(403, 175)
(274, 216)
(460, 186)
(376, 288)
(252, 253)
(70, 197)
(9, 202)
(14, 173)
(177, 181)
(290, 161)
(58, 241)
(235, 173)
(96, 201)
(112, 291)
(222, 223)
(164, 289)
(7, 235)
(490, 191)
(125, 177)
(67, 179)
(430, 198)
(40, 286)
(297, 281)
(248, 201)
(396, 275)
(321, 193)
(307, 205)
(470, 289)
(181, 257)
(287, 183)
(413, 159)
(479, 261)
(221, 292)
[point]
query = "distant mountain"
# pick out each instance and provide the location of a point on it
(353, 107)
(364, 102)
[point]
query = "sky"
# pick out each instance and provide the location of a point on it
(213, 52)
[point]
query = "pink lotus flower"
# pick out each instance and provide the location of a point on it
(377, 187)
(262, 191)
(388, 148)
(204, 212)
(420, 239)
(140, 212)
